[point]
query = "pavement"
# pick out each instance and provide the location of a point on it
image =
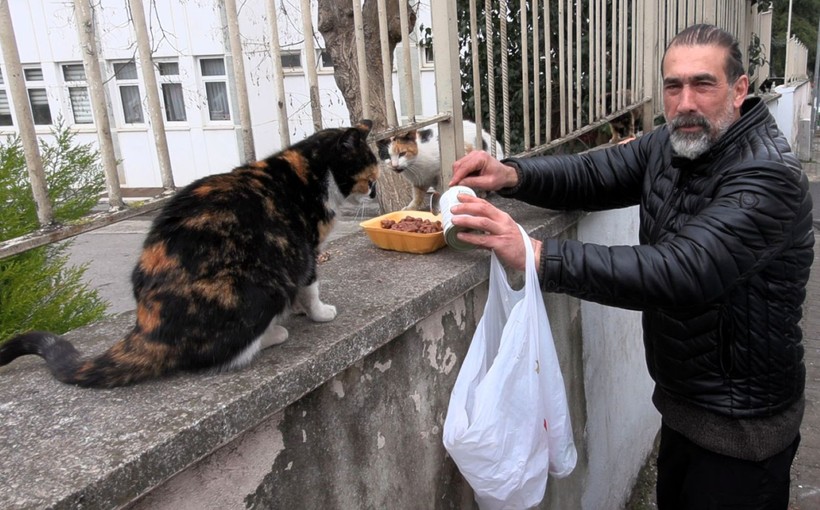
(111, 252)
(805, 494)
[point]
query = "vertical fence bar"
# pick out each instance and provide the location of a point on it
(448, 84)
(152, 93)
(505, 82)
(525, 73)
(548, 70)
(578, 70)
(640, 62)
(387, 70)
(651, 52)
(477, 75)
(613, 79)
(310, 61)
(624, 56)
(238, 65)
(633, 67)
(719, 15)
(591, 61)
(278, 75)
(489, 36)
(410, 93)
(17, 87)
(361, 59)
(562, 70)
(536, 66)
(99, 108)
(570, 68)
(600, 57)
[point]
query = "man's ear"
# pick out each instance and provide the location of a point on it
(740, 90)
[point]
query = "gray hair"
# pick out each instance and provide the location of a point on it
(710, 35)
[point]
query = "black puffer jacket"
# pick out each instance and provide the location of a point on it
(720, 273)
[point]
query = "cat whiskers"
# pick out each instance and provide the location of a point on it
(360, 213)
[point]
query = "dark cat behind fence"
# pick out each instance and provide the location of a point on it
(223, 263)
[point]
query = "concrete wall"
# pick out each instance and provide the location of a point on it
(789, 108)
(621, 427)
(346, 414)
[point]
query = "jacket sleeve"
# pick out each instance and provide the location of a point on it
(596, 180)
(759, 210)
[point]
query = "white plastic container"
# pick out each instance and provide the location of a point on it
(446, 202)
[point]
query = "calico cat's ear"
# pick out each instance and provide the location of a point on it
(409, 136)
(354, 136)
(364, 125)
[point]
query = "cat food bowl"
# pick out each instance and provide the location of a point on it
(397, 240)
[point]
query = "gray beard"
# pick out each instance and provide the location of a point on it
(694, 145)
(690, 146)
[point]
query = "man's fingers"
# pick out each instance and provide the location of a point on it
(465, 167)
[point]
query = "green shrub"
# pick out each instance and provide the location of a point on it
(38, 290)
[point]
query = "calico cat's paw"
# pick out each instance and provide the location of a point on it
(322, 312)
(274, 335)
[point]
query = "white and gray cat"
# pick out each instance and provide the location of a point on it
(415, 155)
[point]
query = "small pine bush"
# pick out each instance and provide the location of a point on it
(38, 290)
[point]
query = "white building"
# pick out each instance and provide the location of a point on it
(197, 89)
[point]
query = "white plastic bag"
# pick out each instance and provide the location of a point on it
(507, 423)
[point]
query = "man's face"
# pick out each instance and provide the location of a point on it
(699, 103)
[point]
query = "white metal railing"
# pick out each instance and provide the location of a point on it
(796, 59)
(584, 64)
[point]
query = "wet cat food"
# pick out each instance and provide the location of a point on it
(413, 224)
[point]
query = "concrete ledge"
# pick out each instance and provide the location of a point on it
(66, 447)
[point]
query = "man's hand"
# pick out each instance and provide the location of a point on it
(499, 232)
(478, 170)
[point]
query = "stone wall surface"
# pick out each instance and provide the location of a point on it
(346, 414)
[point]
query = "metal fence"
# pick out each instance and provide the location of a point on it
(572, 67)
(796, 60)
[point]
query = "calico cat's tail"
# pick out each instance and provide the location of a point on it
(128, 361)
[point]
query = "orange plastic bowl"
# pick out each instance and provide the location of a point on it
(409, 242)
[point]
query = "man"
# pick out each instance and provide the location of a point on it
(720, 273)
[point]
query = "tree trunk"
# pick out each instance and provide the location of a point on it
(336, 26)
(25, 120)
(152, 93)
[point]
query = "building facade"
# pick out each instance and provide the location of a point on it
(197, 87)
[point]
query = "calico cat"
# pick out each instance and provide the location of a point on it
(415, 155)
(623, 127)
(223, 263)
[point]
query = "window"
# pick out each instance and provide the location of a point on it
(126, 75)
(291, 61)
(37, 96)
(427, 55)
(216, 87)
(172, 92)
(324, 60)
(5, 107)
(74, 76)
